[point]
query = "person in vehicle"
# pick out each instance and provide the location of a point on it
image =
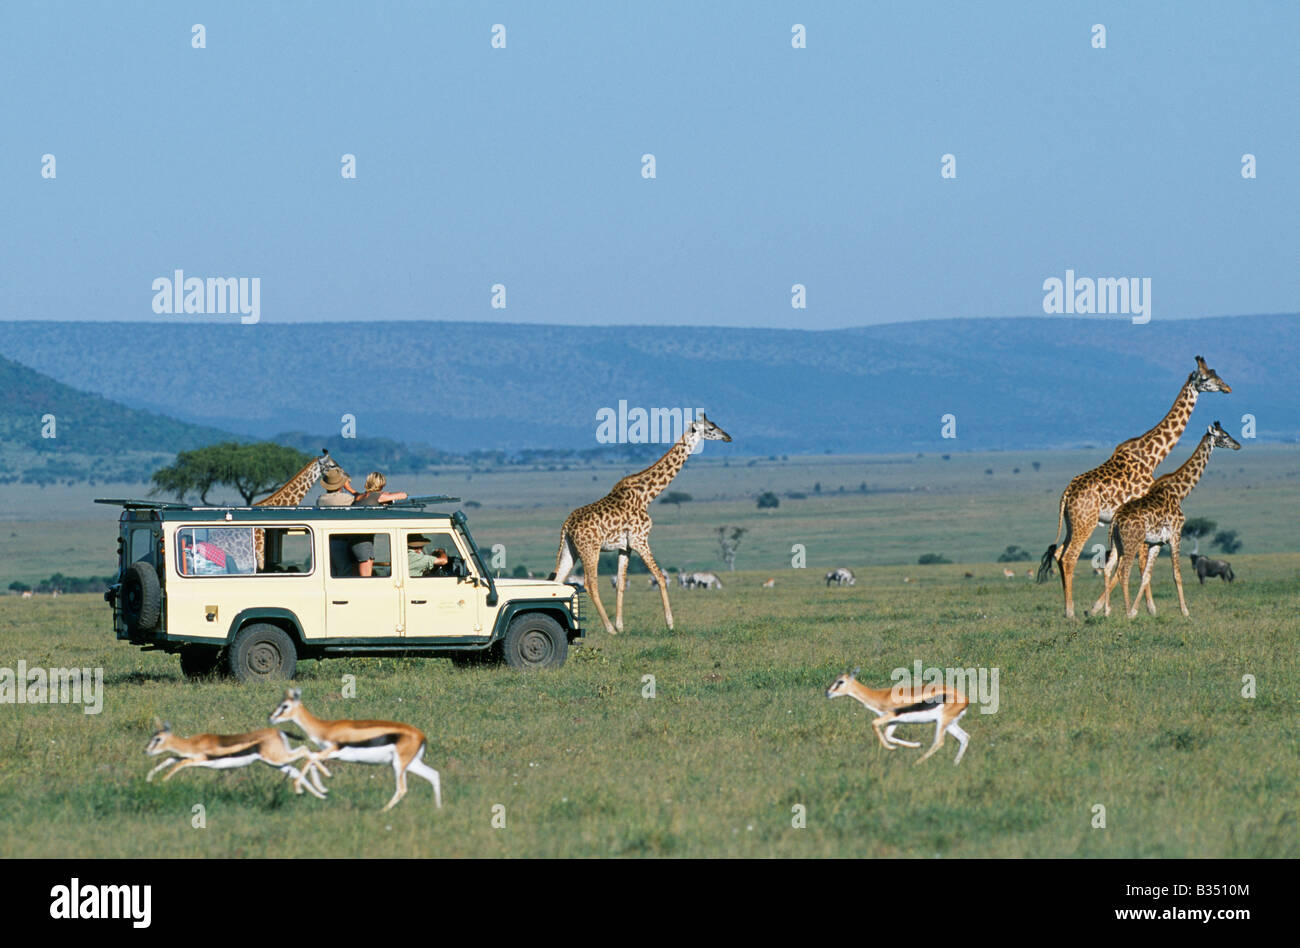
(338, 489)
(375, 494)
(419, 563)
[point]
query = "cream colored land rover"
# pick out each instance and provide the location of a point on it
(250, 590)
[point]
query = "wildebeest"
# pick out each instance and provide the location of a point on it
(841, 577)
(1205, 566)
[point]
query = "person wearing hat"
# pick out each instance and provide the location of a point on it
(336, 482)
(419, 563)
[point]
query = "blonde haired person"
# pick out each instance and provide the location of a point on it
(375, 494)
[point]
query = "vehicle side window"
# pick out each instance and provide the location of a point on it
(348, 550)
(288, 550)
(215, 551)
(425, 555)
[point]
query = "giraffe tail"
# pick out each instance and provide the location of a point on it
(1045, 564)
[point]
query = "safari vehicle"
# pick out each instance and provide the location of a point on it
(250, 590)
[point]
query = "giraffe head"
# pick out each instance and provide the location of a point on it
(1207, 380)
(1220, 438)
(702, 428)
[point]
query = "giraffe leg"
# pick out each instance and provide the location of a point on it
(1141, 555)
(1152, 552)
(1178, 573)
(1111, 577)
(642, 548)
(590, 568)
(1082, 523)
(619, 583)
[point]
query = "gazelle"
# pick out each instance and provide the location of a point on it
(899, 705)
(226, 751)
(769, 583)
(363, 742)
(1008, 573)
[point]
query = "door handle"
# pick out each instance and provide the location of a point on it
(418, 602)
(338, 602)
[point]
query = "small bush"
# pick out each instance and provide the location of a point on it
(927, 559)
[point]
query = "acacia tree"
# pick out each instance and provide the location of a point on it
(251, 469)
(1227, 541)
(728, 543)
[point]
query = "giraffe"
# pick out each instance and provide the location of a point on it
(1142, 525)
(1095, 495)
(290, 495)
(620, 521)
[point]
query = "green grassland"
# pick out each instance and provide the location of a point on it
(1145, 718)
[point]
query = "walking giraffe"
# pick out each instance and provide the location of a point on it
(291, 495)
(1142, 525)
(620, 521)
(1095, 495)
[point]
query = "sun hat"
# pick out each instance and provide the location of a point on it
(334, 478)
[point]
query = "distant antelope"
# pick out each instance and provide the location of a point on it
(907, 705)
(770, 583)
(1008, 573)
(364, 742)
(1029, 573)
(226, 751)
(27, 594)
(841, 577)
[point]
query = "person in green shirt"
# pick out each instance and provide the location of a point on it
(419, 563)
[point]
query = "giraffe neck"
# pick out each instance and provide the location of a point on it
(1186, 477)
(648, 484)
(1155, 445)
(296, 489)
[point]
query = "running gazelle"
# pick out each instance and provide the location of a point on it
(363, 742)
(907, 705)
(226, 751)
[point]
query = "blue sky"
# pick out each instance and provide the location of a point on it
(522, 166)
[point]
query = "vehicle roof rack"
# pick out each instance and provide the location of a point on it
(411, 502)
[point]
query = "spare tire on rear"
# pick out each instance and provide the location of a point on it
(141, 598)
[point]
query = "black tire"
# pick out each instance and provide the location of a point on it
(535, 640)
(141, 598)
(199, 661)
(262, 652)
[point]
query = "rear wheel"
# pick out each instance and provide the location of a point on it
(262, 652)
(199, 661)
(535, 640)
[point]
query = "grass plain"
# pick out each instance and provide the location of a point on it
(1145, 718)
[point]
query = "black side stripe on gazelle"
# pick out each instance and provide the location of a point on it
(926, 705)
(380, 741)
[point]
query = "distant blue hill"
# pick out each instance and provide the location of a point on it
(1012, 383)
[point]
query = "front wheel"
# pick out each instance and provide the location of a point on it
(534, 640)
(262, 652)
